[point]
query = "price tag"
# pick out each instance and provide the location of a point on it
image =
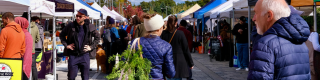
(60, 48)
(49, 47)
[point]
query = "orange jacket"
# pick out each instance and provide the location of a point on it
(12, 41)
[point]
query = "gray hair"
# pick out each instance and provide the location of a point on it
(279, 10)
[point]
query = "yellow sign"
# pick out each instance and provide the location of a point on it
(10, 69)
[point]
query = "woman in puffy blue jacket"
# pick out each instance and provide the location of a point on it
(158, 51)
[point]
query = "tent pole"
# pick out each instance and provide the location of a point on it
(40, 17)
(29, 29)
(195, 28)
(211, 27)
(29, 18)
(315, 16)
(249, 30)
(202, 34)
(234, 40)
(54, 48)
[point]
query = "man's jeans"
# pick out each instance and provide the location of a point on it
(243, 54)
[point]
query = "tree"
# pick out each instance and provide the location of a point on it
(139, 12)
(163, 7)
(129, 12)
(309, 20)
(144, 5)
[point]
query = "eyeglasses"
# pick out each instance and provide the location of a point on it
(79, 16)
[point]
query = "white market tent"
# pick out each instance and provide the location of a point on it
(104, 13)
(191, 10)
(240, 4)
(17, 7)
(227, 6)
(77, 6)
(107, 10)
(42, 6)
(166, 19)
(119, 17)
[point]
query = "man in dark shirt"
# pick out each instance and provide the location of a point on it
(78, 45)
(240, 30)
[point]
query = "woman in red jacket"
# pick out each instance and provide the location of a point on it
(27, 58)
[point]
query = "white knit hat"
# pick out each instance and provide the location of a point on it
(154, 23)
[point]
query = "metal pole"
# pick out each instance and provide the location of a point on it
(197, 30)
(29, 18)
(29, 29)
(40, 17)
(234, 40)
(315, 16)
(92, 21)
(194, 24)
(202, 34)
(54, 48)
(211, 27)
(112, 4)
(249, 30)
(166, 10)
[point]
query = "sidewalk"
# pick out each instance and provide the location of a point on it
(203, 70)
(215, 70)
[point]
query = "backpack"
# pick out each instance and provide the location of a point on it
(106, 35)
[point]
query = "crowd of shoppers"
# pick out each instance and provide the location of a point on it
(284, 46)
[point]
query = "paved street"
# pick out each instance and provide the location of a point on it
(203, 70)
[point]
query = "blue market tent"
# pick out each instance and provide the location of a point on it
(199, 14)
(212, 4)
(84, 3)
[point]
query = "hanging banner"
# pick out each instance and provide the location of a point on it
(45, 66)
(10, 69)
(42, 6)
(63, 6)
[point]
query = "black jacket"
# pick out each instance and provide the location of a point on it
(69, 35)
(181, 56)
(94, 38)
(241, 38)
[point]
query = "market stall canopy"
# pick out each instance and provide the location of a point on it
(79, 4)
(299, 3)
(294, 3)
(17, 7)
(244, 12)
(104, 13)
(166, 19)
(240, 4)
(187, 17)
(119, 17)
(191, 10)
(227, 6)
(108, 11)
(63, 6)
(212, 4)
(42, 6)
(87, 5)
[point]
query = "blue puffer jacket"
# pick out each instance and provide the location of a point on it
(159, 52)
(281, 52)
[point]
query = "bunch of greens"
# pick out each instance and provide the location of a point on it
(132, 66)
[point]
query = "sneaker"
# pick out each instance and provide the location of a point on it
(247, 69)
(238, 69)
